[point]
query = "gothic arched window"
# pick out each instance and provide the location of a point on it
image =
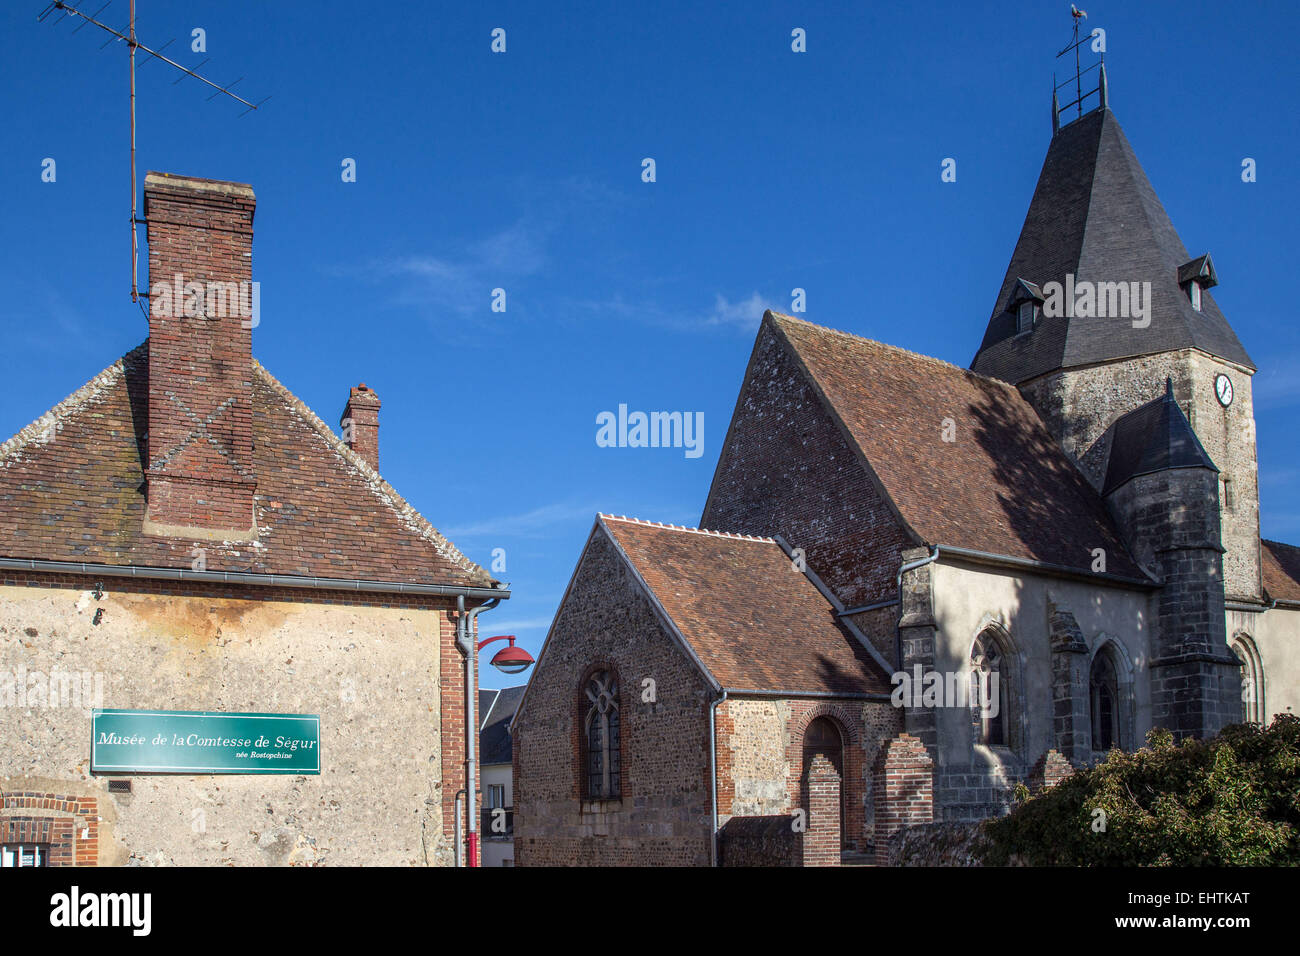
(989, 691)
(1252, 680)
(600, 736)
(1103, 688)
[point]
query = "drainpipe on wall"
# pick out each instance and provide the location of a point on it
(898, 630)
(459, 829)
(468, 646)
(713, 765)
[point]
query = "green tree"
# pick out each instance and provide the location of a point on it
(1232, 800)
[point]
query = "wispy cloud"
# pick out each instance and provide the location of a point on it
(460, 282)
(529, 524)
(742, 315)
(521, 624)
(463, 284)
(1274, 385)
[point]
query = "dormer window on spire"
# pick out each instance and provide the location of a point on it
(1197, 276)
(1025, 303)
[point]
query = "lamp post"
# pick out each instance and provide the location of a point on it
(510, 660)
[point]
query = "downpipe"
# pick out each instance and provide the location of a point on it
(465, 624)
(898, 630)
(713, 765)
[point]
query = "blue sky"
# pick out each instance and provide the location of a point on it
(522, 170)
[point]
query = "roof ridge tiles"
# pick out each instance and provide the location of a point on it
(928, 359)
(40, 429)
(380, 488)
(680, 527)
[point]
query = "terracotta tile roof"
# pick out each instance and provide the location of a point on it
(1281, 570)
(1004, 486)
(72, 489)
(754, 622)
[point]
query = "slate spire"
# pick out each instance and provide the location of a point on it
(1095, 217)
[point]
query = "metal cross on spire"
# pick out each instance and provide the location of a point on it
(133, 44)
(1080, 72)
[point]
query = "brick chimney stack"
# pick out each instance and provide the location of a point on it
(360, 424)
(200, 477)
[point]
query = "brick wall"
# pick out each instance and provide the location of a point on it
(904, 791)
(821, 845)
(761, 768)
(451, 718)
(663, 815)
(786, 469)
(1049, 770)
(67, 824)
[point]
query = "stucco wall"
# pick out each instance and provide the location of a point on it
(969, 598)
(371, 673)
(1276, 635)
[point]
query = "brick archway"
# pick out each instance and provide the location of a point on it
(853, 786)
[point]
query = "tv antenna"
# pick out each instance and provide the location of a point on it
(132, 44)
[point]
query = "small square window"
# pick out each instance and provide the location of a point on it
(1026, 313)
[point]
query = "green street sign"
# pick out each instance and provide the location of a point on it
(195, 741)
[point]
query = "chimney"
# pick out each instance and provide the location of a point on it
(360, 424)
(200, 478)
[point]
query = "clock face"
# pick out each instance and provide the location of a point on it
(1223, 390)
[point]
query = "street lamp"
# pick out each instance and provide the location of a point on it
(511, 660)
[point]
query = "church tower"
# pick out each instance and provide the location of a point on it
(1102, 303)
(1105, 323)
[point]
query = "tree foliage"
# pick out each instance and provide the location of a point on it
(1232, 800)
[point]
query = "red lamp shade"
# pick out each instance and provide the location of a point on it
(512, 659)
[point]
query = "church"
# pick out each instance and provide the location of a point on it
(1069, 528)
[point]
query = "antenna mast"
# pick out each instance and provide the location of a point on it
(133, 44)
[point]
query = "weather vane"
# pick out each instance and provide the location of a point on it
(132, 44)
(1098, 46)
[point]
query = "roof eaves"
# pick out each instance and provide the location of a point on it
(673, 629)
(550, 631)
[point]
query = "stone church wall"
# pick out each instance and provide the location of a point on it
(663, 816)
(971, 780)
(786, 469)
(760, 756)
(1079, 405)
